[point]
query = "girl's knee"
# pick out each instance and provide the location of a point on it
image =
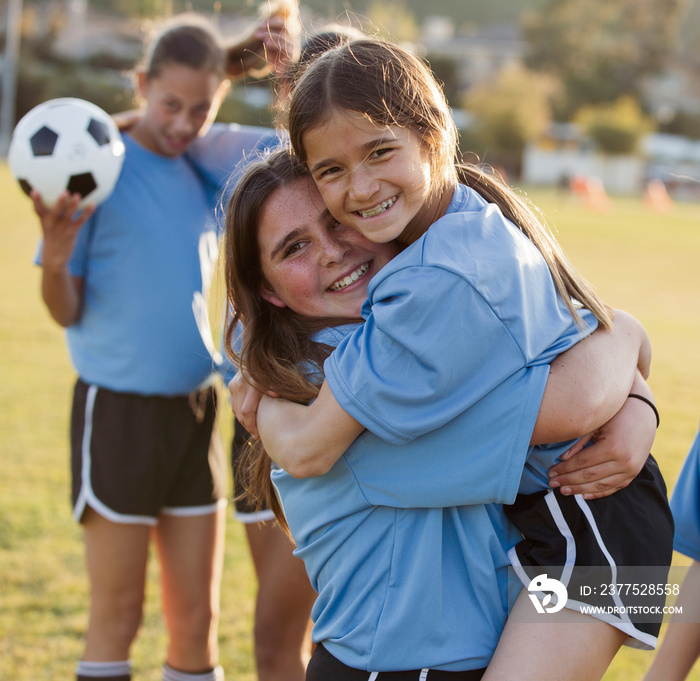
(195, 626)
(115, 625)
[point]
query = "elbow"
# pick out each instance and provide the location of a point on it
(307, 465)
(65, 320)
(592, 411)
(306, 461)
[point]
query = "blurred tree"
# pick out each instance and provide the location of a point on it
(508, 113)
(446, 71)
(617, 127)
(685, 124)
(149, 9)
(392, 18)
(601, 49)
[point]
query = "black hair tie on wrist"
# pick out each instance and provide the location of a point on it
(650, 403)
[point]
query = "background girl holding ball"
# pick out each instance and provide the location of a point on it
(121, 277)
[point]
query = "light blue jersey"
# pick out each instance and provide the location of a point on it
(467, 306)
(146, 258)
(403, 582)
(685, 505)
(141, 257)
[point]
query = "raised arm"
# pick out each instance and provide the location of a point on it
(62, 292)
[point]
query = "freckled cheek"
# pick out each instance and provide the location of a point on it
(333, 199)
(302, 282)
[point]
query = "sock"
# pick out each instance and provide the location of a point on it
(105, 671)
(170, 674)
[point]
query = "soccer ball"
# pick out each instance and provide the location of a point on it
(67, 144)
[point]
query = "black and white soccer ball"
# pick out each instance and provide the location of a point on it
(67, 144)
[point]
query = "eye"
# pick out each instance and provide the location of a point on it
(293, 248)
(327, 172)
(378, 153)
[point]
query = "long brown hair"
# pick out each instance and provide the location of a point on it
(390, 86)
(276, 342)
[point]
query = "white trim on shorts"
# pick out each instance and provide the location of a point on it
(636, 638)
(187, 511)
(263, 516)
(87, 496)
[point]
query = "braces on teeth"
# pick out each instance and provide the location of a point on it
(378, 209)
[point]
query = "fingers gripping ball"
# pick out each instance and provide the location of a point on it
(67, 144)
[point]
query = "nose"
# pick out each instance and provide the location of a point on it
(363, 184)
(333, 250)
(183, 123)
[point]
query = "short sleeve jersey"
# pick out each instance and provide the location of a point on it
(409, 564)
(146, 258)
(685, 504)
(141, 257)
(467, 306)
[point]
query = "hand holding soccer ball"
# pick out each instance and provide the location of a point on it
(67, 145)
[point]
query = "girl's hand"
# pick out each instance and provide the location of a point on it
(279, 37)
(60, 226)
(62, 293)
(619, 451)
(272, 45)
(245, 400)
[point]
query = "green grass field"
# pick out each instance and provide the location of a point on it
(643, 262)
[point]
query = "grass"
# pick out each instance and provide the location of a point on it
(641, 261)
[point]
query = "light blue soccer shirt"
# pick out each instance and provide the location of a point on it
(409, 565)
(142, 256)
(685, 504)
(148, 250)
(469, 304)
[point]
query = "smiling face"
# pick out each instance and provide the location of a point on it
(374, 178)
(178, 104)
(311, 263)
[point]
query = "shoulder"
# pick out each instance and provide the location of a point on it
(226, 149)
(237, 139)
(473, 241)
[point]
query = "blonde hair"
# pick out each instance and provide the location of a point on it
(392, 87)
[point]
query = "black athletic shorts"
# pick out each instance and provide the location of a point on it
(324, 667)
(244, 510)
(135, 457)
(632, 528)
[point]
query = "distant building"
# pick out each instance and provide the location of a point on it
(480, 53)
(674, 90)
(565, 153)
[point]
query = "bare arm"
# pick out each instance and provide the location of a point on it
(62, 293)
(589, 383)
(306, 440)
(620, 450)
(272, 44)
